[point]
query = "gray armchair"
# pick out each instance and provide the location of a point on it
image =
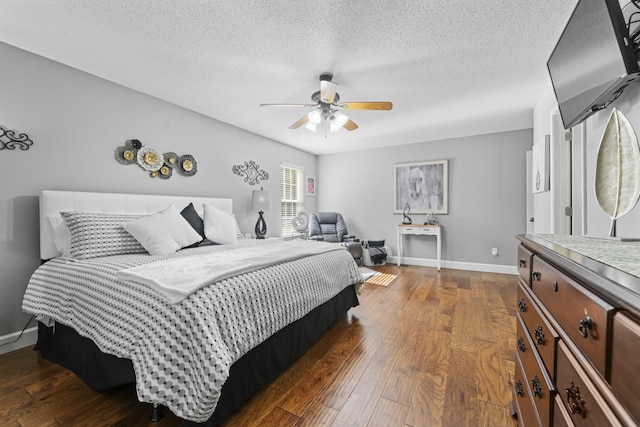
(330, 227)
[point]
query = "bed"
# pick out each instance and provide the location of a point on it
(108, 317)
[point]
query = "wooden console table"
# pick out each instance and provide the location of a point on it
(420, 230)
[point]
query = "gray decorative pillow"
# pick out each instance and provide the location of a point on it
(100, 234)
(189, 213)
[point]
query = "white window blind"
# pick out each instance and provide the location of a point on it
(291, 197)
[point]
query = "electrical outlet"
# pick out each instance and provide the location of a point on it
(494, 251)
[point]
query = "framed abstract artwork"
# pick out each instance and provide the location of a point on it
(310, 187)
(540, 166)
(422, 186)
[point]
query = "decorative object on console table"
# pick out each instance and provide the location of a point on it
(251, 172)
(431, 219)
(617, 180)
(421, 185)
(420, 230)
(406, 219)
(150, 159)
(9, 141)
(260, 201)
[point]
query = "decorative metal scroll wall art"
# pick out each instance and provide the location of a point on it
(9, 140)
(251, 172)
(158, 164)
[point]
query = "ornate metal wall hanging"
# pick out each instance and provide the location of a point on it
(158, 164)
(10, 141)
(251, 172)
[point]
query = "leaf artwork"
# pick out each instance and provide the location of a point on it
(617, 178)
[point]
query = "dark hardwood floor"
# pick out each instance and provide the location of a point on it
(428, 349)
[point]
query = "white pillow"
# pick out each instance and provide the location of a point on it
(238, 232)
(163, 232)
(219, 226)
(61, 234)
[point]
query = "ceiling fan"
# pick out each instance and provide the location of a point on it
(327, 108)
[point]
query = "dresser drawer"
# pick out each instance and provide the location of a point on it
(524, 264)
(426, 230)
(527, 416)
(540, 387)
(625, 363)
(579, 396)
(582, 315)
(543, 335)
(561, 417)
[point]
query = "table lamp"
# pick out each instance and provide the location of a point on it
(260, 201)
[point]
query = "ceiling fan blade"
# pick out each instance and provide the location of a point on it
(350, 125)
(328, 91)
(288, 105)
(367, 105)
(300, 122)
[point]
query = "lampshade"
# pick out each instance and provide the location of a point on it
(328, 91)
(261, 200)
(313, 119)
(337, 121)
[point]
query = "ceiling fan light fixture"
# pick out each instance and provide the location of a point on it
(337, 121)
(326, 106)
(327, 91)
(314, 117)
(311, 126)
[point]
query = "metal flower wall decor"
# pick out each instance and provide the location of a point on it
(9, 140)
(158, 164)
(251, 172)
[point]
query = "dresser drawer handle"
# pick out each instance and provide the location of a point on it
(539, 333)
(535, 275)
(521, 346)
(523, 263)
(519, 389)
(537, 388)
(555, 286)
(586, 325)
(575, 403)
(522, 305)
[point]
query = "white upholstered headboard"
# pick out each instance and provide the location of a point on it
(54, 202)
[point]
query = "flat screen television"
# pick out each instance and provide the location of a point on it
(593, 61)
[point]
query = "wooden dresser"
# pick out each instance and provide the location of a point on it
(578, 332)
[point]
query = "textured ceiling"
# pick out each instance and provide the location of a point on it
(451, 68)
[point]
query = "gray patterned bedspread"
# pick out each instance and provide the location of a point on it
(182, 352)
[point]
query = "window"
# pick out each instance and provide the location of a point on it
(291, 196)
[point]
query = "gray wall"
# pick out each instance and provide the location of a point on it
(486, 195)
(76, 121)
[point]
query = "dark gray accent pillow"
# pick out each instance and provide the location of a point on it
(189, 213)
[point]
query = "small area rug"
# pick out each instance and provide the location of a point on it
(376, 277)
(368, 273)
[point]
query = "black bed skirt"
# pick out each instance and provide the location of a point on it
(254, 370)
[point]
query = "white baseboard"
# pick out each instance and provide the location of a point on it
(487, 268)
(27, 339)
